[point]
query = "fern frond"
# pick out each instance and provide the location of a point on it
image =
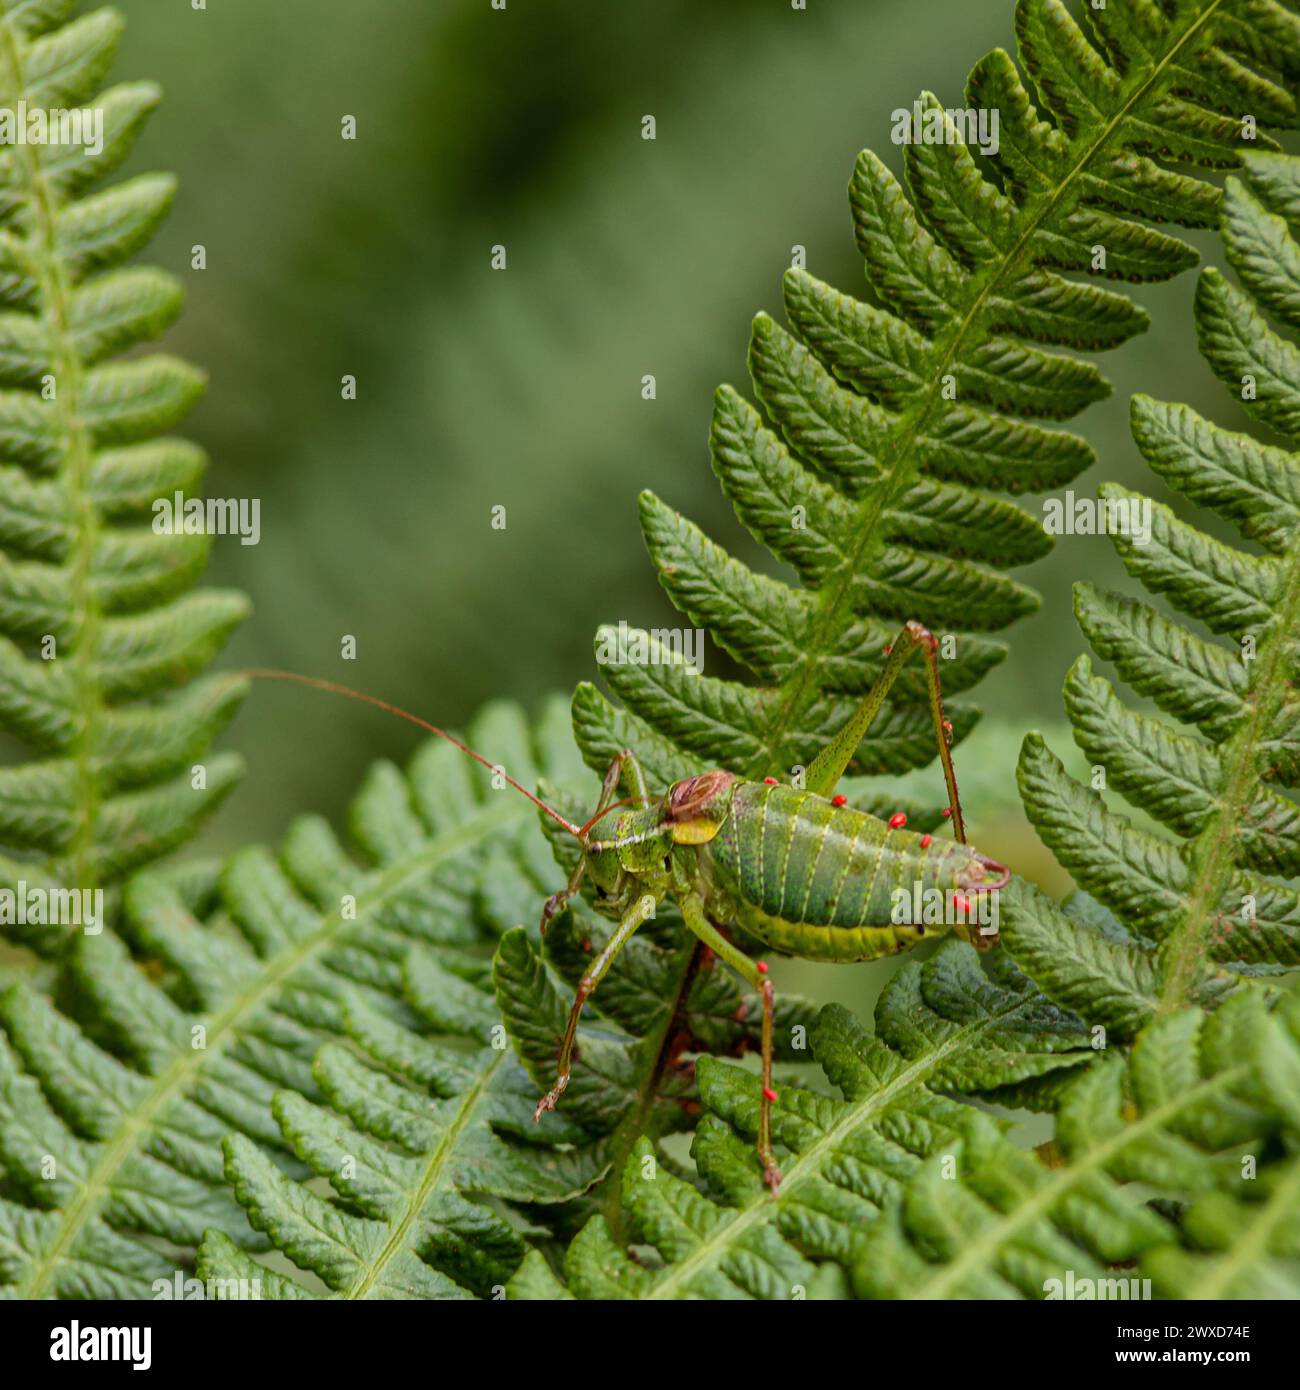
(883, 427)
(942, 1027)
(1187, 1118)
(411, 1135)
(1237, 1247)
(1209, 900)
(884, 424)
(112, 1120)
(98, 624)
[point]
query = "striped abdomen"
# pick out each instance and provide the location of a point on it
(820, 880)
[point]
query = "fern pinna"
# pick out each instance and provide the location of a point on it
(887, 424)
(1192, 914)
(1176, 1175)
(942, 1027)
(96, 625)
(114, 1108)
(410, 1138)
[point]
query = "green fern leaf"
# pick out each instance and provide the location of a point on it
(1240, 1248)
(1202, 898)
(1182, 1120)
(941, 1027)
(97, 622)
(883, 424)
(112, 1116)
(412, 1134)
(883, 427)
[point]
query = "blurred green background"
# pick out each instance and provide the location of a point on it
(478, 388)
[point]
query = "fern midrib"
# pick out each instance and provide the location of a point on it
(171, 1083)
(1183, 951)
(433, 1172)
(74, 475)
(1062, 1180)
(808, 1166)
(798, 693)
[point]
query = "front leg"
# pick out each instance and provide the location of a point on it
(557, 902)
(623, 767)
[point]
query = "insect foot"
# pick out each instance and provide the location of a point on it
(772, 1175)
(549, 1100)
(984, 874)
(978, 923)
(552, 908)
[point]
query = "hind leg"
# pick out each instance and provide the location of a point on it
(828, 766)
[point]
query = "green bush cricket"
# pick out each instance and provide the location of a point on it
(774, 866)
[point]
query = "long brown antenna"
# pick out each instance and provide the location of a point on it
(334, 688)
(613, 806)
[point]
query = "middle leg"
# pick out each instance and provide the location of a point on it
(755, 972)
(639, 913)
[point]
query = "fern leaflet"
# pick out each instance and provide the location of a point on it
(1199, 909)
(892, 419)
(97, 624)
(1175, 1121)
(127, 1103)
(407, 1144)
(940, 1027)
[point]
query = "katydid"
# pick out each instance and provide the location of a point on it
(792, 869)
